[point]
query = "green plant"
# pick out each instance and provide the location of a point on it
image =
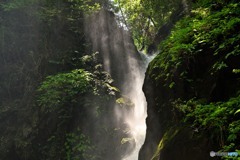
(17, 4)
(78, 146)
(61, 88)
(143, 18)
(203, 33)
(217, 118)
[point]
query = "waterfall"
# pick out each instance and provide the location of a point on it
(136, 120)
(127, 67)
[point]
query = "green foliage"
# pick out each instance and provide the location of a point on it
(92, 97)
(134, 17)
(144, 17)
(217, 117)
(160, 9)
(78, 146)
(17, 4)
(69, 11)
(236, 71)
(58, 89)
(204, 32)
(86, 6)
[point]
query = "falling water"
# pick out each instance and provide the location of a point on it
(136, 120)
(127, 67)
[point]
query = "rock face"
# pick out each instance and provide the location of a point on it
(167, 136)
(192, 74)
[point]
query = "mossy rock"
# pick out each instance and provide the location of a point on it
(125, 102)
(183, 143)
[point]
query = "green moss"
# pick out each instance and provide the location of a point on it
(168, 137)
(125, 102)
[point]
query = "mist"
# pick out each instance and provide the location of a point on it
(127, 67)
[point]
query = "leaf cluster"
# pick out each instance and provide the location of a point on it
(143, 18)
(204, 32)
(78, 146)
(63, 87)
(220, 119)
